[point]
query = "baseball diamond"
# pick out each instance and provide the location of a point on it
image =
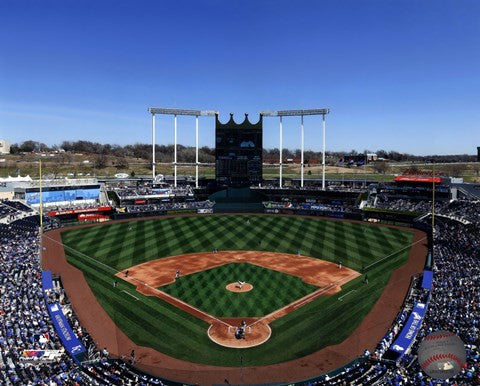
(101, 252)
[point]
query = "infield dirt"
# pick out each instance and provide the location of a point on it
(149, 276)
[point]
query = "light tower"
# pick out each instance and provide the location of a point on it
(301, 114)
(175, 112)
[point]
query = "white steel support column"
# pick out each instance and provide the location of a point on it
(301, 152)
(196, 151)
(175, 150)
(323, 152)
(153, 146)
(281, 153)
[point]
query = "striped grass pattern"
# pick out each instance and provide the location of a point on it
(155, 323)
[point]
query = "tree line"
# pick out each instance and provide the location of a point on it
(164, 153)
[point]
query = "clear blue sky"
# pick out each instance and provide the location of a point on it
(398, 75)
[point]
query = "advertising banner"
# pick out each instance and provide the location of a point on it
(410, 329)
(335, 215)
(47, 283)
(80, 210)
(178, 211)
(429, 180)
(276, 211)
(64, 331)
(92, 217)
(40, 355)
(427, 279)
(204, 210)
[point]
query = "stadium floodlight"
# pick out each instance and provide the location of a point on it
(175, 112)
(299, 113)
(195, 113)
(293, 113)
(269, 113)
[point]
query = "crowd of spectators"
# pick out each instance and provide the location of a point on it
(7, 212)
(11, 210)
(25, 323)
(383, 201)
(17, 205)
(24, 320)
(328, 187)
(324, 207)
(117, 372)
(463, 210)
(453, 304)
(169, 206)
(149, 191)
(71, 205)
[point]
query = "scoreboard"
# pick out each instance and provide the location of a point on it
(238, 152)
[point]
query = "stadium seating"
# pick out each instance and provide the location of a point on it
(169, 206)
(454, 303)
(26, 327)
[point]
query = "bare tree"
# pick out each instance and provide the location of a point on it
(381, 167)
(65, 158)
(456, 170)
(476, 168)
(121, 163)
(101, 161)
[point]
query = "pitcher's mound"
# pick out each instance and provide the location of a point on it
(235, 287)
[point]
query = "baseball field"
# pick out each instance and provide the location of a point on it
(283, 258)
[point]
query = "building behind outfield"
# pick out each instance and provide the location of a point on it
(4, 147)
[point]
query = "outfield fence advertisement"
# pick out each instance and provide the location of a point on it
(204, 210)
(77, 211)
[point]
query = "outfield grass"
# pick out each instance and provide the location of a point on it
(102, 250)
(271, 290)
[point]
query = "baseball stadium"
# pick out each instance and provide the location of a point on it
(239, 279)
(270, 193)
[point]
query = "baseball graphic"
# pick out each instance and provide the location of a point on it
(442, 354)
